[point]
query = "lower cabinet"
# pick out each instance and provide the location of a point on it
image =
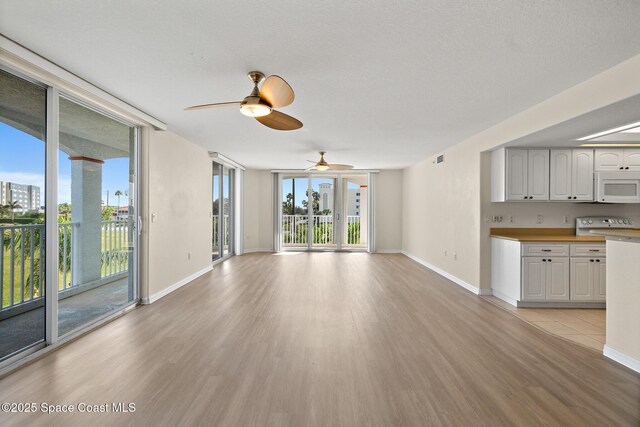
(545, 279)
(588, 279)
(548, 272)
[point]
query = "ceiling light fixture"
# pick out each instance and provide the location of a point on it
(610, 131)
(322, 167)
(254, 108)
(609, 145)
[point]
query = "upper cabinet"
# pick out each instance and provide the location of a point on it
(571, 175)
(519, 174)
(617, 159)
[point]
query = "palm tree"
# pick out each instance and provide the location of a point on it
(12, 206)
(64, 209)
(118, 193)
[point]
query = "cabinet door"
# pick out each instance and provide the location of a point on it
(557, 279)
(516, 174)
(581, 279)
(560, 180)
(608, 159)
(582, 175)
(631, 159)
(600, 280)
(538, 175)
(533, 279)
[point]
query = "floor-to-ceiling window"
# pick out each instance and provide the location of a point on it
(67, 257)
(223, 178)
(323, 211)
(22, 220)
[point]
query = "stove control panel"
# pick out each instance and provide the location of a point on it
(602, 222)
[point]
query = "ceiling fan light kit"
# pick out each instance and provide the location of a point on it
(322, 164)
(260, 104)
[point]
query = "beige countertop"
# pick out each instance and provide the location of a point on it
(624, 235)
(543, 235)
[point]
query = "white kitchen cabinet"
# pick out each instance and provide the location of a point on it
(533, 279)
(519, 174)
(538, 174)
(588, 275)
(556, 279)
(617, 159)
(631, 159)
(559, 274)
(545, 279)
(571, 175)
(600, 280)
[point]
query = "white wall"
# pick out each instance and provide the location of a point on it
(258, 210)
(176, 187)
(442, 204)
(388, 211)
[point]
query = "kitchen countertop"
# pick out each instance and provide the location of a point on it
(622, 235)
(544, 235)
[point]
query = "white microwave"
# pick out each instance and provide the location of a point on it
(618, 187)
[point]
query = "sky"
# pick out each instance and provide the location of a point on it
(302, 185)
(22, 161)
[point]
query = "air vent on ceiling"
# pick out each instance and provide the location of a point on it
(439, 159)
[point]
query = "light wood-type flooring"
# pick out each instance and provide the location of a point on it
(330, 339)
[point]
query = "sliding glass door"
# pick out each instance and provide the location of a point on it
(222, 211)
(68, 257)
(22, 219)
(96, 212)
(323, 211)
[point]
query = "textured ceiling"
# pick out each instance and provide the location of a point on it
(379, 84)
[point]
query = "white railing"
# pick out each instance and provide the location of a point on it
(22, 258)
(294, 229)
(216, 221)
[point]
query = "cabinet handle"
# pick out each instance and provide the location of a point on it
(575, 197)
(594, 250)
(549, 260)
(591, 260)
(597, 260)
(627, 167)
(569, 197)
(546, 250)
(621, 167)
(544, 260)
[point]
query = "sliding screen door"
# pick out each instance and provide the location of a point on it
(22, 221)
(222, 211)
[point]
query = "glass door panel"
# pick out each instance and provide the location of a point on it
(22, 221)
(323, 190)
(96, 216)
(355, 211)
(226, 210)
(295, 212)
(216, 209)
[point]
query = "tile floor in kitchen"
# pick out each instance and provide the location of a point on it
(584, 326)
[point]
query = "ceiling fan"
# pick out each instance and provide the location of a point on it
(322, 165)
(260, 103)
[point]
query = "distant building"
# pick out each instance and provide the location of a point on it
(326, 199)
(121, 213)
(26, 196)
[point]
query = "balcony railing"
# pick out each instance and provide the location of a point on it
(216, 221)
(22, 258)
(295, 227)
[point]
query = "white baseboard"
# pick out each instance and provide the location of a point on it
(505, 298)
(449, 276)
(166, 291)
(388, 251)
(622, 358)
(249, 251)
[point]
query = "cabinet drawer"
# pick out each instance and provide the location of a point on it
(543, 249)
(593, 250)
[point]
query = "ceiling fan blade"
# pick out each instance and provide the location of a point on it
(219, 104)
(312, 161)
(339, 167)
(280, 121)
(310, 168)
(277, 92)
